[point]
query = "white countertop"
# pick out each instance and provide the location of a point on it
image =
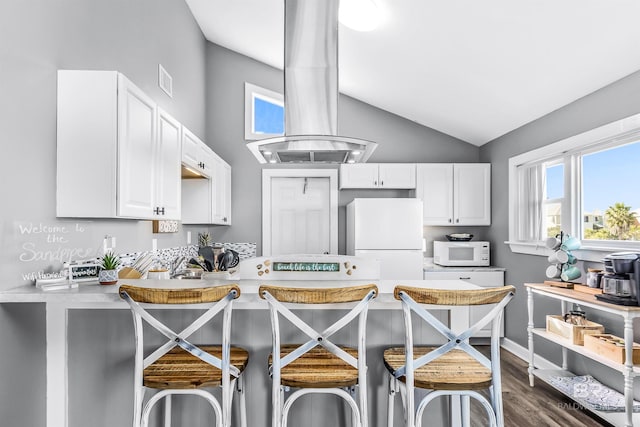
(107, 295)
(429, 266)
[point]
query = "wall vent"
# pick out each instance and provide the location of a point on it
(165, 81)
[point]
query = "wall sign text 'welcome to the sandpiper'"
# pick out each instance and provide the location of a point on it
(306, 266)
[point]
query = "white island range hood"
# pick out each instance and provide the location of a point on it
(311, 92)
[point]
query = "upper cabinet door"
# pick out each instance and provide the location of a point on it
(378, 175)
(361, 175)
(472, 193)
(397, 175)
(455, 194)
(435, 188)
(195, 153)
(167, 176)
(136, 145)
(221, 209)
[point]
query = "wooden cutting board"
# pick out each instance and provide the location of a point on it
(587, 290)
(568, 285)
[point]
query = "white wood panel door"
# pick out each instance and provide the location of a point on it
(167, 176)
(299, 216)
(435, 188)
(472, 193)
(136, 144)
(300, 212)
(397, 175)
(360, 175)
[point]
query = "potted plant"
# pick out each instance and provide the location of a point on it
(108, 274)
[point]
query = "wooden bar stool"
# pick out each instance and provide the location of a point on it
(455, 368)
(179, 366)
(318, 365)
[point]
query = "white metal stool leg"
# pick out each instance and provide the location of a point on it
(391, 400)
(243, 401)
(167, 411)
(465, 411)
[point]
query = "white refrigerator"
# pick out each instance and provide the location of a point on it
(389, 230)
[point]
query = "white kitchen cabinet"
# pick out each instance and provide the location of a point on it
(221, 210)
(196, 155)
(455, 193)
(207, 200)
(108, 150)
(167, 174)
(378, 175)
(485, 279)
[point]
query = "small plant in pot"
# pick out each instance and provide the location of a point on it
(108, 273)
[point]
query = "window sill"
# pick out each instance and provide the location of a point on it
(587, 253)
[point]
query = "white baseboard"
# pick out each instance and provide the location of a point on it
(523, 353)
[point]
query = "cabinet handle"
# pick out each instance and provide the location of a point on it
(381, 183)
(457, 220)
(450, 220)
(464, 278)
(224, 219)
(375, 183)
(162, 210)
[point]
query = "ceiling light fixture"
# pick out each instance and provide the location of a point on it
(359, 15)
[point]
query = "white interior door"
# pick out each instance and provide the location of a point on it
(299, 212)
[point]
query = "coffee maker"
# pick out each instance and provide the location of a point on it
(621, 281)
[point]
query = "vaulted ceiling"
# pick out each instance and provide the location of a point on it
(473, 69)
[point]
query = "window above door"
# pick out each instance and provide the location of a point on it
(264, 113)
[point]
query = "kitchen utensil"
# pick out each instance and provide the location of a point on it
(235, 260)
(206, 252)
(228, 259)
(223, 259)
(145, 265)
(570, 273)
(161, 273)
(594, 277)
(194, 261)
(570, 244)
(558, 257)
(553, 243)
(129, 273)
(553, 272)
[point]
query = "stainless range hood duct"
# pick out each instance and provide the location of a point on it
(311, 92)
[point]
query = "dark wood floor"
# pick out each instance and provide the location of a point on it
(539, 406)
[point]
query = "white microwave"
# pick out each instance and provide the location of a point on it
(461, 253)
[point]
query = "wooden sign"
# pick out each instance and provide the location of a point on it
(306, 266)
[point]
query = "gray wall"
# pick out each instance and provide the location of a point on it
(611, 103)
(400, 140)
(133, 37)
(38, 38)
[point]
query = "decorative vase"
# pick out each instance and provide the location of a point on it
(108, 277)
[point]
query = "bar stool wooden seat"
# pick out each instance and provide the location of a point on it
(455, 368)
(318, 365)
(179, 366)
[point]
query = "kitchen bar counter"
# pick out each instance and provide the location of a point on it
(108, 294)
(385, 330)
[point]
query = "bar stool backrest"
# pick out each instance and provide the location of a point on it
(214, 300)
(419, 300)
(280, 300)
